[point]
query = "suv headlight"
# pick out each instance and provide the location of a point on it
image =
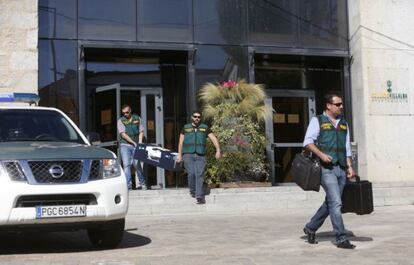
(111, 168)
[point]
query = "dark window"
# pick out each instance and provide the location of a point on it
(58, 82)
(125, 66)
(165, 20)
(317, 73)
(57, 19)
(220, 21)
(107, 19)
(273, 22)
(323, 23)
(40, 125)
(214, 63)
(279, 72)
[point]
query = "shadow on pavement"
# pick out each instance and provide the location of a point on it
(330, 236)
(59, 242)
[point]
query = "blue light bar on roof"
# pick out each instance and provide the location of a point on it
(30, 98)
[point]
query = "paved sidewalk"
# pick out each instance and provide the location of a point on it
(384, 237)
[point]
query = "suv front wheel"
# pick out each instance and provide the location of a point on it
(109, 236)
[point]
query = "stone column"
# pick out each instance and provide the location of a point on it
(382, 69)
(18, 46)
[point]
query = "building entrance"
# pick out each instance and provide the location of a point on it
(287, 128)
(144, 101)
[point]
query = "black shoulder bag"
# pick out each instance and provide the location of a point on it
(306, 171)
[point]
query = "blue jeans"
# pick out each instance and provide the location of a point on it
(332, 181)
(127, 156)
(195, 165)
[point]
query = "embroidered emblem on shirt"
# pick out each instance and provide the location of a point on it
(326, 126)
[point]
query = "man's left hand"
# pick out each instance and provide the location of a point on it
(350, 173)
(218, 155)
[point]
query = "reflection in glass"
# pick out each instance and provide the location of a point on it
(165, 20)
(57, 19)
(58, 82)
(107, 19)
(220, 21)
(125, 66)
(283, 161)
(212, 63)
(273, 22)
(289, 126)
(174, 82)
(320, 74)
(323, 23)
(290, 120)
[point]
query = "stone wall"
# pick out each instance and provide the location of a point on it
(18, 46)
(382, 56)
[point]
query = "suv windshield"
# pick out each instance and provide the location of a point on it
(36, 125)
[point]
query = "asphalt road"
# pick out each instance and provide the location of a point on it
(383, 237)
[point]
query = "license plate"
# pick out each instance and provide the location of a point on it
(60, 211)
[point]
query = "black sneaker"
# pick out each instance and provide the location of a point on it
(201, 201)
(311, 236)
(192, 195)
(346, 244)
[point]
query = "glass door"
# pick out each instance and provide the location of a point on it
(144, 101)
(286, 129)
(153, 119)
(106, 112)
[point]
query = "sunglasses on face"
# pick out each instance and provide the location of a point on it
(126, 112)
(196, 117)
(337, 104)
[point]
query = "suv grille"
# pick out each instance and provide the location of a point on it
(95, 172)
(71, 171)
(14, 170)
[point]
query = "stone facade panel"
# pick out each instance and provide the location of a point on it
(23, 60)
(18, 45)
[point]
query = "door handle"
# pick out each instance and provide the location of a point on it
(158, 108)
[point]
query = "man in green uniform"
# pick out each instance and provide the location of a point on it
(328, 137)
(131, 132)
(192, 149)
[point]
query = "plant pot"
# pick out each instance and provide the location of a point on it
(244, 184)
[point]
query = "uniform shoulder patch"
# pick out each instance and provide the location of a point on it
(326, 126)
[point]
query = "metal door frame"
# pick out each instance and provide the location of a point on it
(159, 116)
(159, 120)
(283, 93)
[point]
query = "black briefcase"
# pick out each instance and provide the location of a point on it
(357, 197)
(306, 171)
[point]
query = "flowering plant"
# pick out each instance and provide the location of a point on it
(236, 111)
(229, 84)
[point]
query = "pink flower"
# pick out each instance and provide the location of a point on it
(229, 84)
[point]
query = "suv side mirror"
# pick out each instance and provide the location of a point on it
(93, 137)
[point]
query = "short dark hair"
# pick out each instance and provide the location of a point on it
(125, 106)
(330, 95)
(196, 111)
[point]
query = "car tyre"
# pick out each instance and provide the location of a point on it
(109, 236)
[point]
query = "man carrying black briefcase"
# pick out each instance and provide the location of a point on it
(328, 138)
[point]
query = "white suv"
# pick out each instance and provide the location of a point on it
(52, 178)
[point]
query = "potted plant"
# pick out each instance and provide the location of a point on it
(236, 111)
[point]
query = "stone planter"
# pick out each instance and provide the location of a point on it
(244, 184)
